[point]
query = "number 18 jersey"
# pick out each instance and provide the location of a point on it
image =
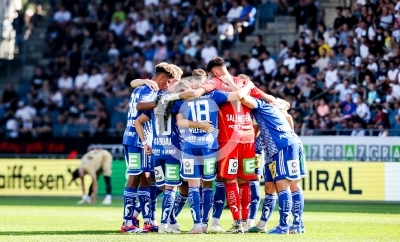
(204, 108)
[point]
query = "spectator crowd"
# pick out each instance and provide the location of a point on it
(340, 80)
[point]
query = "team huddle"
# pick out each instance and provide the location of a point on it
(186, 135)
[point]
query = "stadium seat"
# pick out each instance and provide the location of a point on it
(116, 118)
(22, 93)
(54, 115)
(75, 129)
(59, 130)
(267, 12)
(111, 103)
(2, 111)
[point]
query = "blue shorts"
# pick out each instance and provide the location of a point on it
(166, 171)
(199, 163)
(136, 160)
(288, 163)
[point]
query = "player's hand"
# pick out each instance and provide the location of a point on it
(169, 98)
(250, 84)
(152, 84)
(206, 126)
(147, 149)
(282, 104)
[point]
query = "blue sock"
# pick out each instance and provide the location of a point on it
(268, 207)
(138, 210)
(219, 199)
(129, 204)
(285, 206)
(167, 205)
(153, 196)
(207, 203)
(145, 203)
(201, 199)
(255, 199)
(298, 207)
(179, 203)
(194, 202)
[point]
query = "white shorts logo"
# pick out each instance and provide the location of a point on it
(293, 167)
(159, 174)
(188, 166)
(233, 166)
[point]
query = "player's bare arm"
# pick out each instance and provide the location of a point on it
(150, 83)
(139, 129)
(143, 106)
(248, 102)
(289, 118)
(185, 123)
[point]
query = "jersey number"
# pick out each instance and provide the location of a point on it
(132, 105)
(200, 110)
(167, 127)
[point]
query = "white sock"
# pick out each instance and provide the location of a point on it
(197, 225)
(127, 222)
(154, 222)
(251, 222)
(135, 214)
(261, 224)
(108, 197)
(215, 221)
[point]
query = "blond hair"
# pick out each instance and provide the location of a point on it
(245, 77)
(199, 72)
(178, 71)
(182, 86)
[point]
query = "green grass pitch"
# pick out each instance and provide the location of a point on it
(60, 219)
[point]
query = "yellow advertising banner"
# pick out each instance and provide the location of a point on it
(35, 177)
(345, 181)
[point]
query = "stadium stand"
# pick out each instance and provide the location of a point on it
(341, 77)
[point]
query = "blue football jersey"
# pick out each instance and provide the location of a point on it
(275, 130)
(142, 93)
(258, 145)
(204, 108)
(166, 136)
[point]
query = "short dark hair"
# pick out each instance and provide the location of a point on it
(215, 62)
(339, 8)
(283, 42)
(165, 68)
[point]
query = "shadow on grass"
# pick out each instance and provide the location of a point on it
(310, 206)
(80, 232)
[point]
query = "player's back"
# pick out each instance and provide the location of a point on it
(204, 108)
(235, 121)
(130, 135)
(92, 161)
(275, 130)
(166, 137)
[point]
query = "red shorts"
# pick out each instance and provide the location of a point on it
(236, 160)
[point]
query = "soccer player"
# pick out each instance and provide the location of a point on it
(138, 162)
(94, 163)
(165, 152)
(199, 117)
(286, 151)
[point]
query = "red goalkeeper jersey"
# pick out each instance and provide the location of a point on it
(234, 119)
